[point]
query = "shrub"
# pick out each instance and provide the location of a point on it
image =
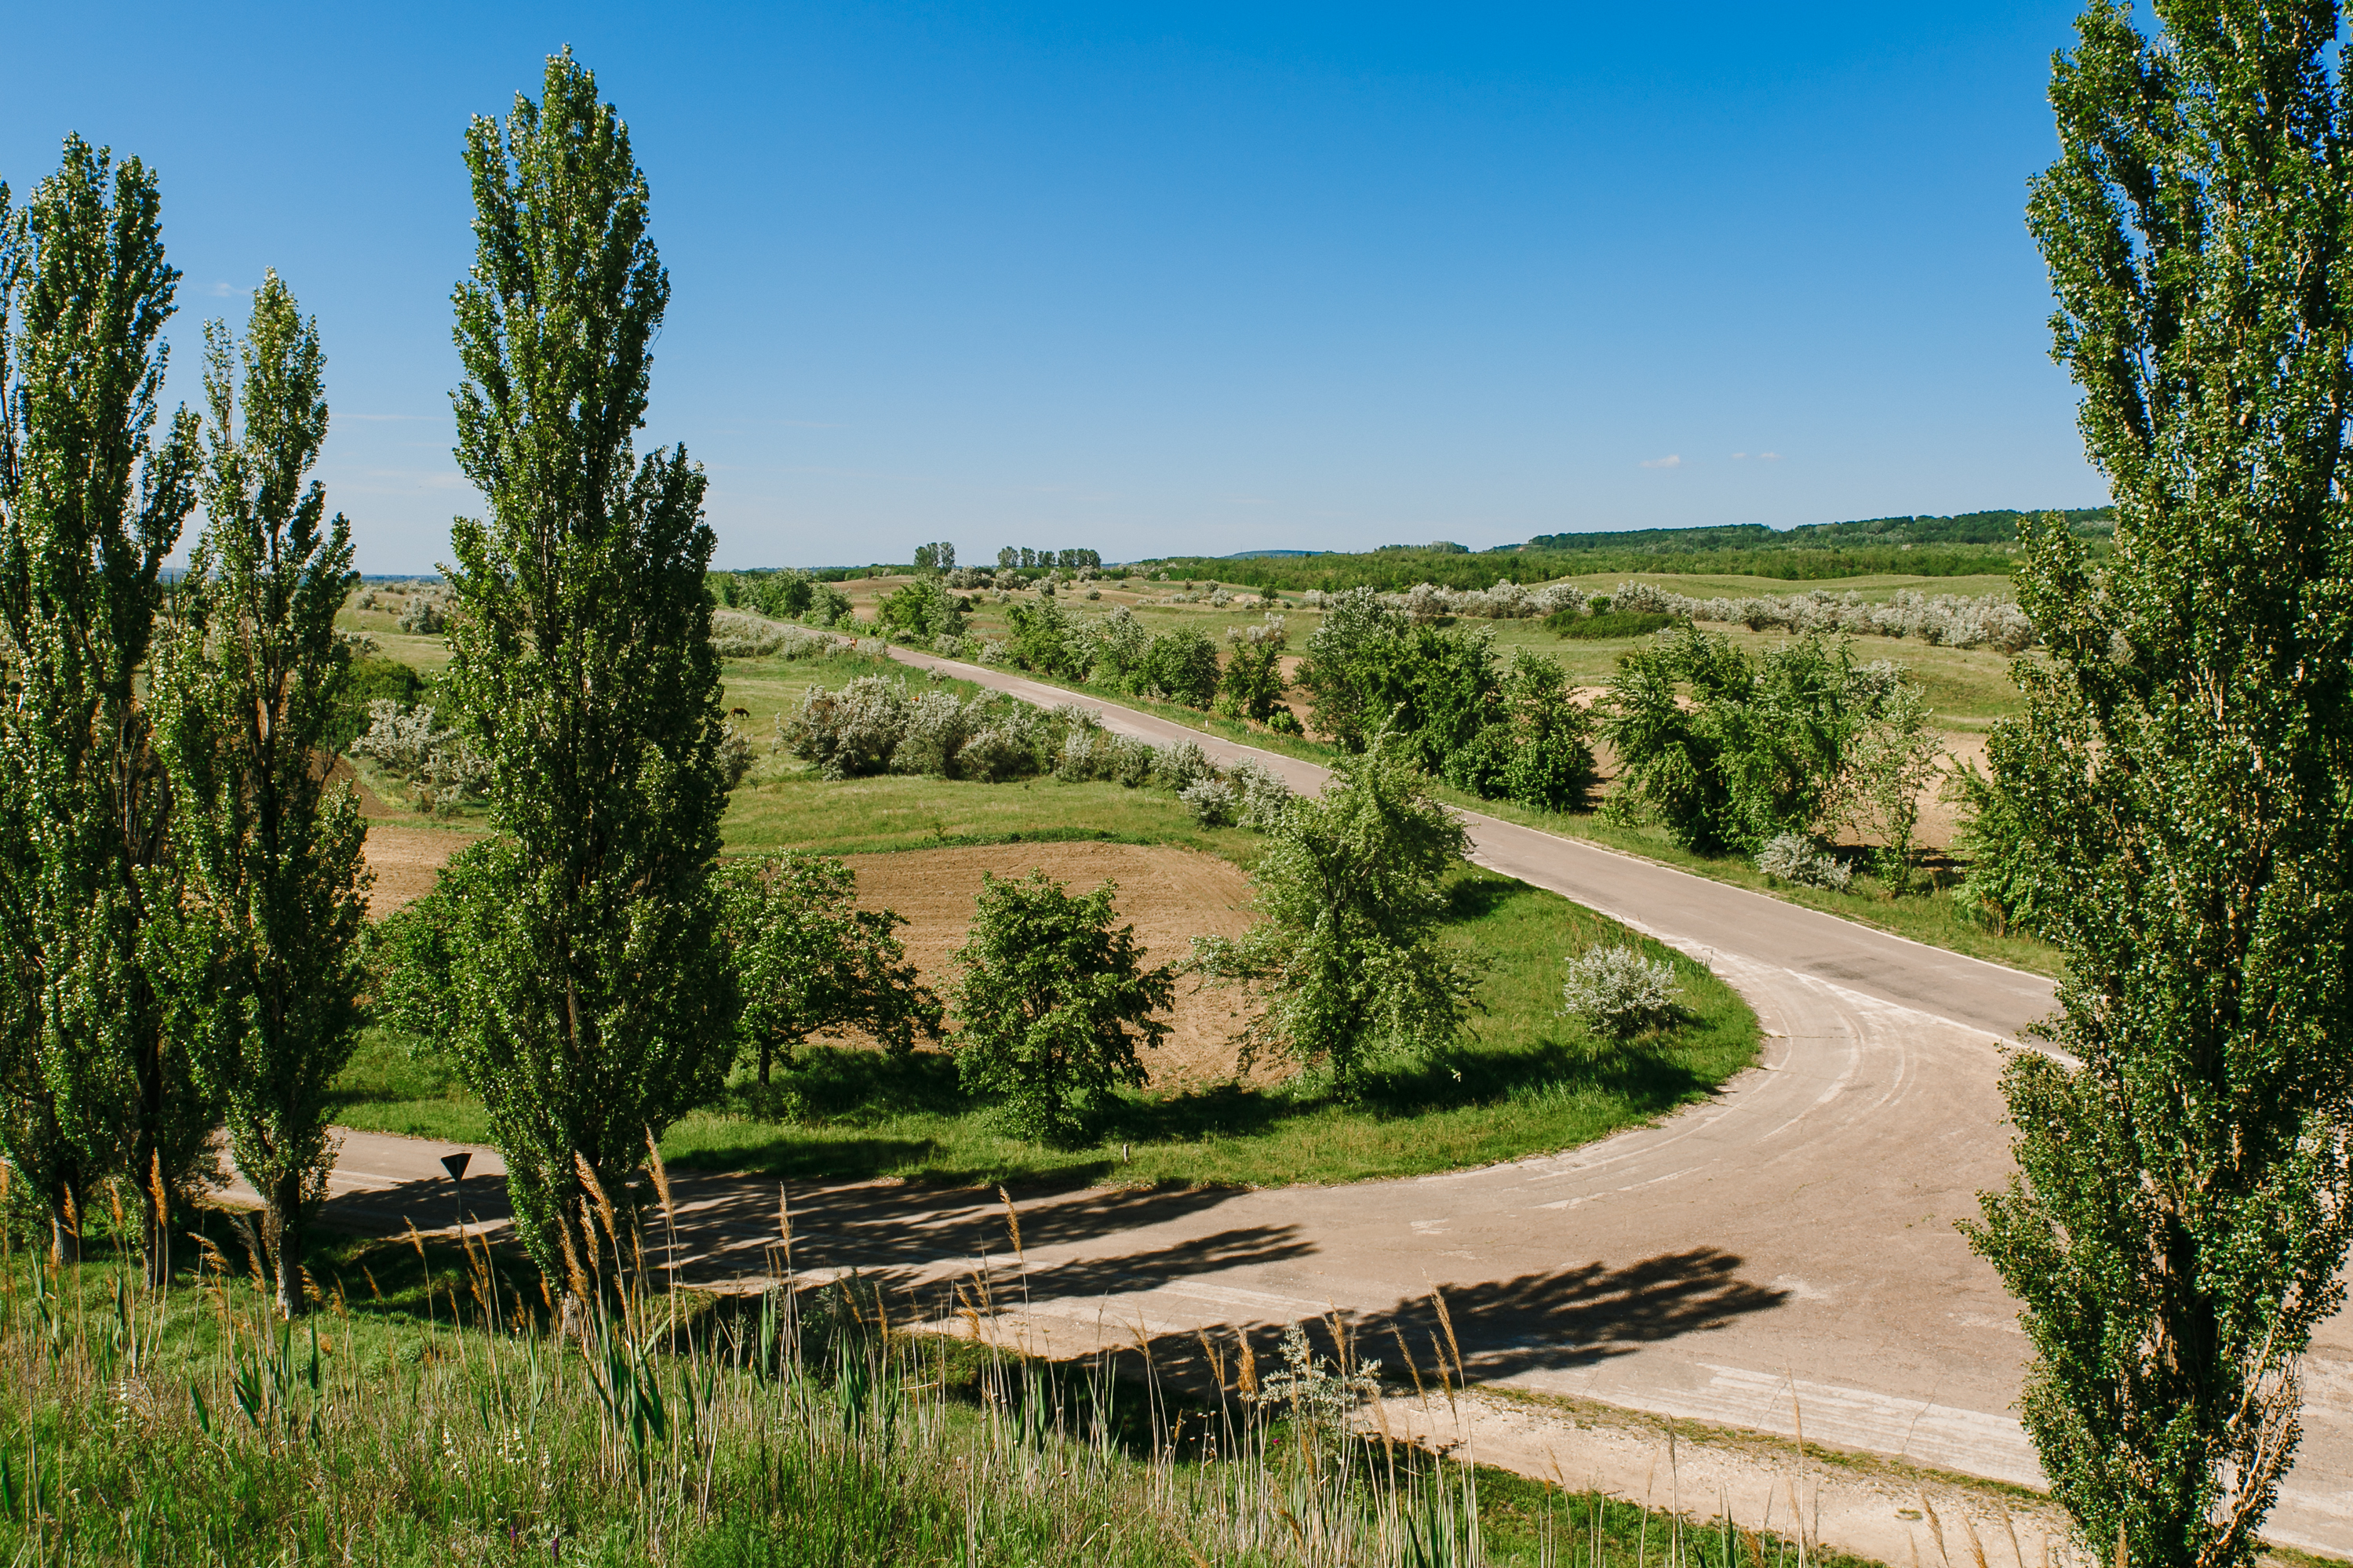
(1608, 623)
(414, 744)
(424, 617)
(1051, 1004)
(1182, 666)
(1132, 760)
(848, 734)
(1181, 765)
(1252, 683)
(1792, 857)
(921, 612)
(1119, 643)
(1046, 639)
(1731, 751)
(364, 683)
(1262, 796)
(1618, 993)
(934, 728)
(1215, 800)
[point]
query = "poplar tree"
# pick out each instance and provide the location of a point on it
(261, 957)
(90, 504)
(593, 1002)
(2184, 766)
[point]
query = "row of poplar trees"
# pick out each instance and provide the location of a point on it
(182, 887)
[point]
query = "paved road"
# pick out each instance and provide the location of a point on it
(1791, 1241)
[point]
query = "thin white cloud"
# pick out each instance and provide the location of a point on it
(1768, 457)
(1672, 460)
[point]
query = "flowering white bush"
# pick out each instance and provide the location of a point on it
(413, 744)
(1792, 857)
(1618, 993)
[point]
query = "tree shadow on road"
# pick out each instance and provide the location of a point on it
(1555, 1321)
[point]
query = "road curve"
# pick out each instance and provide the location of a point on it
(1787, 1246)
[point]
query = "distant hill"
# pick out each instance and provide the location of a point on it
(1272, 554)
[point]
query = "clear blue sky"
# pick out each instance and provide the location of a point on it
(1198, 278)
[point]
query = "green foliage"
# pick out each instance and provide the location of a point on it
(1117, 658)
(1344, 959)
(366, 680)
(1823, 553)
(1051, 1003)
(1604, 625)
(1047, 639)
(593, 1001)
(2184, 778)
(1181, 666)
(90, 504)
(1369, 669)
(1534, 750)
(1732, 750)
(263, 974)
(921, 612)
(807, 958)
(1253, 684)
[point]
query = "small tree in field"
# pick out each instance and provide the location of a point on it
(807, 958)
(1345, 958)
(1052, 1002)
(90, 504)
(264, 959)
(593, 998)
(2184, 775)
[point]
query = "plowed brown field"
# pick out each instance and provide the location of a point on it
(1169, 895)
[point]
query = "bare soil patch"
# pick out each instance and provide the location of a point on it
(1169, 895)
(406, 861)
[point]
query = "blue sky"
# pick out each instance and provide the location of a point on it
(1152, 280)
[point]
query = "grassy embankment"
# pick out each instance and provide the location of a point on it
(427, 1416)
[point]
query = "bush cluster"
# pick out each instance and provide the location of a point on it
(410, 742)
(875, 724)
(1501, 732)
(1945, 619)
(1618, 993)
(1738, 751)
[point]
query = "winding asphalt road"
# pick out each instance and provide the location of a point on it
(1787, 1247)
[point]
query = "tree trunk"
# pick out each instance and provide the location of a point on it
(767, 1051)
(285, 1227)
(65, 1223)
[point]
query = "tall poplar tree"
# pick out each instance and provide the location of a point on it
(596, 1004)
(90, 504)
(2185, 766)
(261, 957)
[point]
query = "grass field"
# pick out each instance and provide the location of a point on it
(427, 1416)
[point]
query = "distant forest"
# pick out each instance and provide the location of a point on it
(1978, 543)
